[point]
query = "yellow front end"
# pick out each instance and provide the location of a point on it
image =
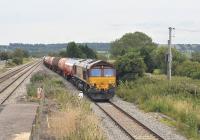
(104, 83)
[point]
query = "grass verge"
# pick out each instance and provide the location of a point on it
(179, 99)
(74, 118)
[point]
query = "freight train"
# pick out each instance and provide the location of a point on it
(96, 78)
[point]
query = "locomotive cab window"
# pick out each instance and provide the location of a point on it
(95, 72)
(109, 72)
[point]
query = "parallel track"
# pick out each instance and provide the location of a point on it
(131, 126)
(12, 86)
(10, 83)
(13, 72)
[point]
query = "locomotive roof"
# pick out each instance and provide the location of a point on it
(88, 63)
(71, 61)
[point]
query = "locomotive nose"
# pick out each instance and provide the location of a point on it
(103, 85)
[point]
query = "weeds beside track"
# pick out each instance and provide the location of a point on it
(71, 118)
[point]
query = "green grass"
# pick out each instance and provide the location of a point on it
(179, 99)
(27, 60)
(74, 118)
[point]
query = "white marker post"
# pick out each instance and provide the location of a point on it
(80, 95)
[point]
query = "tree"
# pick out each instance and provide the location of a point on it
(196, 56)
(17, 56)
(159, 57)
(18, 53)
(62, 53)
(4, 55)
(25, 53)
(80, 51)
(87, 51)
(74, 51)
(130, 41)
(53, 54)
(146, 53)
(130, 66)
(102, 57)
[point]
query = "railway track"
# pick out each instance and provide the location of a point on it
(8, 86)
(12, 72)
(132, 127)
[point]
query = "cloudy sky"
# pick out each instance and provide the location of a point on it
(56, 21)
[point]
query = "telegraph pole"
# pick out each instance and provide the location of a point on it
(169, 58)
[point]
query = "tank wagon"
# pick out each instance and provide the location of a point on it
(48, 61)
(96, 78)
(55, 63)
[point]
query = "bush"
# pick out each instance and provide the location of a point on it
(157, 71)
(32, 90)
(39, 77)
(130, 66)
(189, 69)
(196, 56)
(9, 63)
(18, 60)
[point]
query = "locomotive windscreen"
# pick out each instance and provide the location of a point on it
(108, 72)
(95, 72)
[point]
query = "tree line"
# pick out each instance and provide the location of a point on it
(136, 53)
(74, 50)
(15, 56)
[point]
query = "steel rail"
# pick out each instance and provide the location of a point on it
(137, 121)
(129, 116)
(13, 72)
(31, 69)
(1, 90)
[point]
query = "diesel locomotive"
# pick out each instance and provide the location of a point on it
(96, 78)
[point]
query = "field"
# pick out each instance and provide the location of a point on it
(73, 119)
(178, 99)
